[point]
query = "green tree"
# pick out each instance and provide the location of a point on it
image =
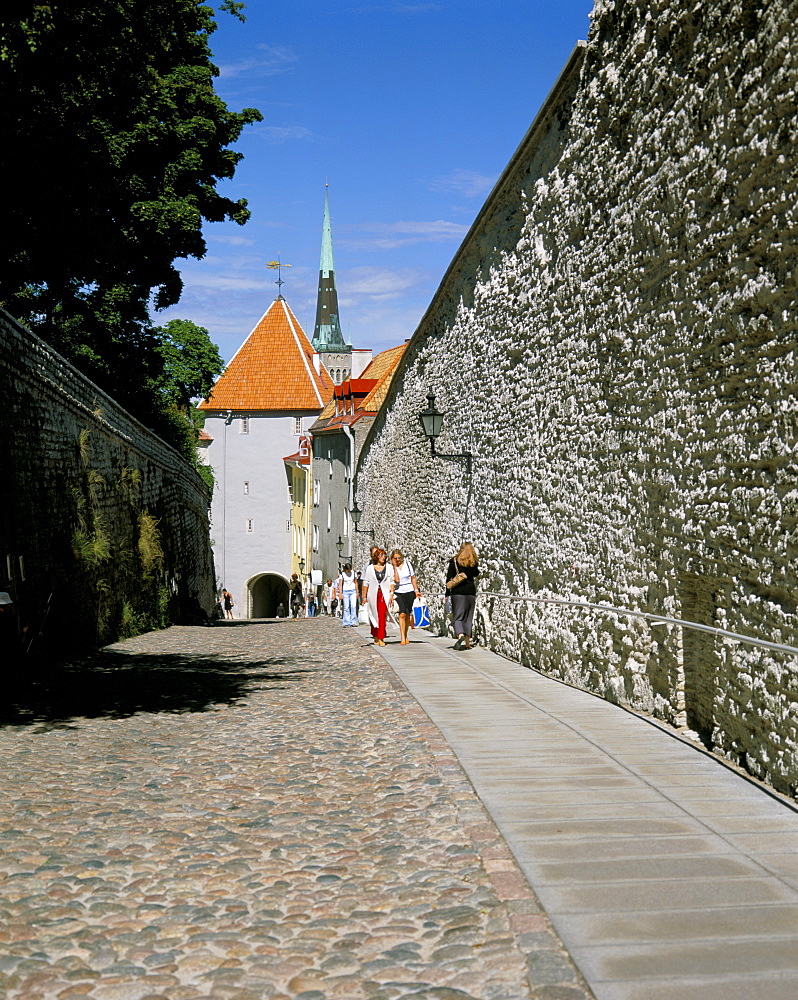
(191, 362)
(113, 143)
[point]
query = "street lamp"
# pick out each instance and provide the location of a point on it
(340, 546)
(432, 423)
(357, 513)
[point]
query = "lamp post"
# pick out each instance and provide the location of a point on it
(432, 423)
(357, 513)
(340, 546)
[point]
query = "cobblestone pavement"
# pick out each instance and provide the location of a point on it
(252, 811)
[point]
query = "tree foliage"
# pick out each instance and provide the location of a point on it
(113, 143)
(191, 362)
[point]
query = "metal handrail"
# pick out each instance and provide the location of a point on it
(657, 619)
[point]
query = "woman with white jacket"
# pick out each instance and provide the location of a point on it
(378, 585)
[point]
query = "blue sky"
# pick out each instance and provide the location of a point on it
(410, 110)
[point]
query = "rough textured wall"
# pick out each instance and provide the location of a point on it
(96, 510)
(615, 341)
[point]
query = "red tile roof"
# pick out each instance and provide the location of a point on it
(273, 369)
(367, 392)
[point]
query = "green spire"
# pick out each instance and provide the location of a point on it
(326, 266)
(327, 332)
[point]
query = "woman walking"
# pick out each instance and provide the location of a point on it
(296, 597)
(465, 566)
(347, 589)
(378, 585)
(405, 592)
(227, 599)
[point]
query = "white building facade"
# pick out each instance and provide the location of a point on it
(271, 392)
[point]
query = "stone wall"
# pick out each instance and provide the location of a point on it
(97, 511)
(615, 341)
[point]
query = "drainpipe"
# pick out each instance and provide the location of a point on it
(351, 437)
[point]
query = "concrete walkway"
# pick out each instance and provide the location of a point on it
(667, 875)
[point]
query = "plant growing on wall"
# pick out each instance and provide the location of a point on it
(119, 566)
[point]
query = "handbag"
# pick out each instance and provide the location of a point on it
(455, 580)
(363, 615)
(420, 613)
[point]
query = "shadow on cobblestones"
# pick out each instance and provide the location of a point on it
(119, 684)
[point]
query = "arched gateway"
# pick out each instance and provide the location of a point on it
(264, 593)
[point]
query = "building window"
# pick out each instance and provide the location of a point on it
(250, 526)
(246, 488)
(316, 492)
(245, 425)
(297, 425)
(329, 516)
(346, 521)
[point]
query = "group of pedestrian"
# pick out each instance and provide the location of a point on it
(390, 585)
(386, 587)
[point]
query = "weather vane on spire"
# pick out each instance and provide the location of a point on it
(276, 265)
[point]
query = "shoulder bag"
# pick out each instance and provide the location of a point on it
(456, 580)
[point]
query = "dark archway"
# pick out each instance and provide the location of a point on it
(266, 593)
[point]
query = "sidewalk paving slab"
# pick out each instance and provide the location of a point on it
(668, 875)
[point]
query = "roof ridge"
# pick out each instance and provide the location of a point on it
(311, 374)
(272, 369)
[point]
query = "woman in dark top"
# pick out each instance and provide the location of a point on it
(464, 593)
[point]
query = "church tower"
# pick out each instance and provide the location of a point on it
(336, 354)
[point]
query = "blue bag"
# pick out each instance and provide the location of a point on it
(420, 613)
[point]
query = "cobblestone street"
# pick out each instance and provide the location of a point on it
(251, 811)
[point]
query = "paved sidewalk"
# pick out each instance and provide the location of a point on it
(253, 811)
(667, 875)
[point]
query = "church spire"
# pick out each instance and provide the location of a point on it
(327, 334)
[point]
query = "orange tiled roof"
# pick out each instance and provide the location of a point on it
(273, 369)
(376, 379)
(381, 368)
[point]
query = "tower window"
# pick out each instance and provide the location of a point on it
(250, 525)
(245, 425)
(246, 487)
(297, 425)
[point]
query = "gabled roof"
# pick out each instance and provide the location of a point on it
(273, 369)
(381, 368)
(362, 395)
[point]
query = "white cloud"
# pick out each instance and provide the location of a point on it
(377, 284)
(387, 236)
(282, 133)
(233, 241)
(395, 8)
(468, 183)
(267, 60)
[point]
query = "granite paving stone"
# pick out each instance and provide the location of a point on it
(252, 811)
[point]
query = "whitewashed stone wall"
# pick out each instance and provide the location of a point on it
(615, 342)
